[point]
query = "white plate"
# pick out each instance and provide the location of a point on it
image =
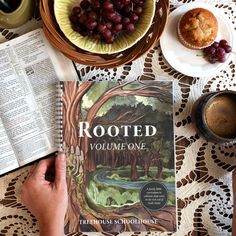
(188, 61)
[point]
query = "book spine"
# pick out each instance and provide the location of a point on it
(59, 118)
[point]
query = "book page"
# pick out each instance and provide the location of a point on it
(64, 67)
(27, 100)
(8, 159)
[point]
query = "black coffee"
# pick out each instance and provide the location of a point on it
(9, 6)
(221, 116)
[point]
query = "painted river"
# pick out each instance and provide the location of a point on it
(102, 176)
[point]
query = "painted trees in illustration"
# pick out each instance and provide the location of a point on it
(71, 110)
(74, 111)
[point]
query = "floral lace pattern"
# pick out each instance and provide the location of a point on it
(203, 169)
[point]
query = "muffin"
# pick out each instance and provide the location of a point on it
(197, 28)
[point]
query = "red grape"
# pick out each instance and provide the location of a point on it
(127, 9)
(102, 28)
(117, 18)
(125, 20)
(95, 4)
(227, 48)
(222, 59)
(84, 32)
(110, 40)
(209, 51)
(91, 24)
(220, 52)
(107, 34)
(222, 43)
(138, 2)
(105, 19)
(138, 10)
(111, 15)
(76, 28)
(92, 15)
(118, 27)
(126, 2)
(83, 18)
(84, 4)
(118, 5)
(215, 44)
(133, 18)
(217, 51)
(76, 10)
(74, 19)
(109, 25)
(108, 5)
(212, 59)
(130, 27)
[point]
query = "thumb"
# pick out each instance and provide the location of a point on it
(60, 170)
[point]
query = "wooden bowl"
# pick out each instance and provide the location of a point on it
(59, 41)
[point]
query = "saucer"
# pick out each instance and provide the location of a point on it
(188, 61)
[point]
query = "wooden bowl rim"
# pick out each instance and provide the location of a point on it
(59, 41)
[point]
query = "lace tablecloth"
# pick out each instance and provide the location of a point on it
(203, 169)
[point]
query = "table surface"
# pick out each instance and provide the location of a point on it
(203, 169)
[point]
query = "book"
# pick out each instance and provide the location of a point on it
(29, 70)
(119, 142)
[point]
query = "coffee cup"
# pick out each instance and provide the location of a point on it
(214, 116)
(14, 13)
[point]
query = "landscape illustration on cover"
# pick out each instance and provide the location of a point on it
(119, 142)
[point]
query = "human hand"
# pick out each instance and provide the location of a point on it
(47, 200)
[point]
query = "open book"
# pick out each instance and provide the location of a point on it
(29, 71)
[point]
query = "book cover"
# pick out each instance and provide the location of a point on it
(119, 141)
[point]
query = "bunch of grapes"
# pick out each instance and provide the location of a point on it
(105, 19)
(217, 51)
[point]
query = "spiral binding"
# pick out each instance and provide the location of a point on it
(59, 117)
